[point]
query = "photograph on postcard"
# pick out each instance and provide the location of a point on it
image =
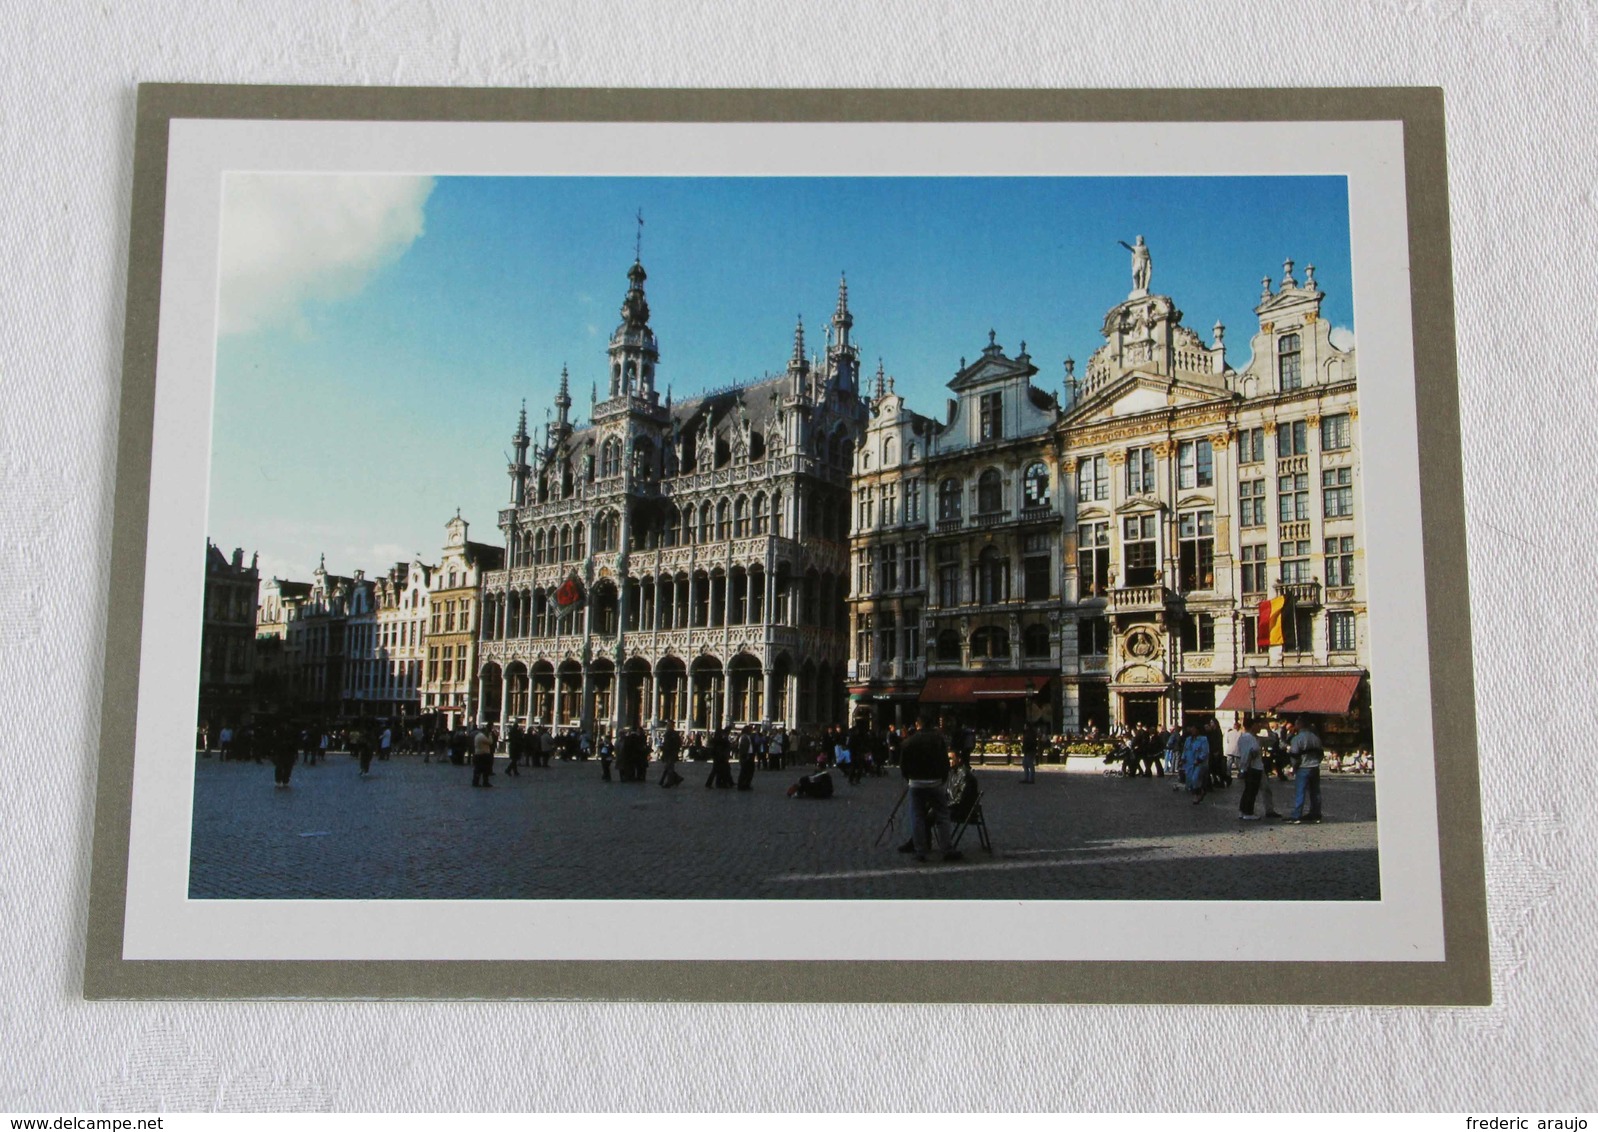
(719, 540)
(799, 538)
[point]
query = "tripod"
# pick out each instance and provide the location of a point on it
(886, 826)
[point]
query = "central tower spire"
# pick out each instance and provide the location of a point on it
(633, 350)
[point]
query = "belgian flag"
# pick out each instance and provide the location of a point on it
(1270, 622)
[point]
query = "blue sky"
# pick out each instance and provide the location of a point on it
(379, 333)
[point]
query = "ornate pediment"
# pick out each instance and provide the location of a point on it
(1139, 392)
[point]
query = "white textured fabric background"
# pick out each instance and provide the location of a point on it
(1520, 82)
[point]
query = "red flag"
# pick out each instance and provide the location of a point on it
(1262, 632)
(570, 593)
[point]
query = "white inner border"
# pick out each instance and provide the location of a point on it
(162, 923)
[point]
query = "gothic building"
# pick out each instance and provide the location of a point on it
(679, 562)
(227, 652)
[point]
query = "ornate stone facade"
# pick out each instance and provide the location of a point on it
(976, 616)
(449, 687)
(1105, 562)
(682, 562)
(1200, 492)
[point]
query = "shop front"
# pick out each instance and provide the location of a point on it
(1338, 702)
(995, 705)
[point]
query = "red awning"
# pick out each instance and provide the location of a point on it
(1318, 693)
(971, 689)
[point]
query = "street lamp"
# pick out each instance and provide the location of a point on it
(1253, 692)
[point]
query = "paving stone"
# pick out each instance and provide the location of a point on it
(415, 830)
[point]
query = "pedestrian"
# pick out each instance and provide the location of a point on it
(360, 743)
(607, 752)
(1196, 762)
(1031, 742)
(746, 758)
(546, 746)
(515, 747)
(1251, 765)
(777, 748)
(670, 752)
(1220, 773)
(635, 752)
(225, 743)
(384, 742)
(1306, 753)
(720, 760)
(281, 747)
(1173, 755)
(924, 762)
(482, 756)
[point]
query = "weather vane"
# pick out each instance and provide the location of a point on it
(638, 242)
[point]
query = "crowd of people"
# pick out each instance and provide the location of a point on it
(1203, 758)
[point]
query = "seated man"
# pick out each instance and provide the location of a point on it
(961, 786)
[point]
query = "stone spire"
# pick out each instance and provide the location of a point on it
(563, 402)
(633, 349)
(882, 386)
(519, 469)
(842, 353)
(798, 343)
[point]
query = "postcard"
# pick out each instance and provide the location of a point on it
(776, 545)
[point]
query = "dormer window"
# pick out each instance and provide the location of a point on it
(990, 416)
(1289, 371)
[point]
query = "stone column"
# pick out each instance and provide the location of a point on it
(726, 696)
(504, 698)
(769, 675)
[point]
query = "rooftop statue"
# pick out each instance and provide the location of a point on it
(1142, 267)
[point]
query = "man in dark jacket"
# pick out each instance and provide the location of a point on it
(924, 761)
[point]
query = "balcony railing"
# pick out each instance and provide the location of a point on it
(1302, 593)
(990, 518)
(1140, 597)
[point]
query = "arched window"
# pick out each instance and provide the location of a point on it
(565, 544)
(1035, 485)
(740, 518)
(762, 517)
(949, 499)
(723, 525)
(990, 492)
(565, 481)
(949, 646)
(607, 532)
(610, 458)
(990, 643)
(992, 577)
(1035, 642)
(776, 513)
(706, 530)
(890, 451)
(538, 548)
(671, 531)
(1289, 357)
(578, 541)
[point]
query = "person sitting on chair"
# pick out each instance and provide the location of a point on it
(961, 786)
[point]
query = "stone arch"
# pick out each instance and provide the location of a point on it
(746, 689)
(706, 692)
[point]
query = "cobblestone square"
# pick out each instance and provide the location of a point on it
(415, 830)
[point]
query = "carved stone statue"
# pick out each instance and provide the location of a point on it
(1142, 266)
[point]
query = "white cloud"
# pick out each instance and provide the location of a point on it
(291, 238)
(1342, 337)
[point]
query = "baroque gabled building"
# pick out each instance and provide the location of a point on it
(1205, 499)
(680, 562)
(968, 573)
(449, 685)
